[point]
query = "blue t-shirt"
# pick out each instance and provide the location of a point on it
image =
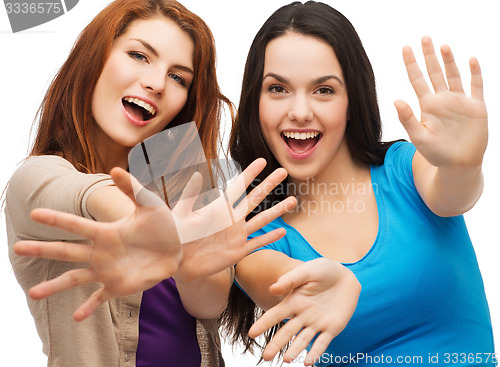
(422, 301)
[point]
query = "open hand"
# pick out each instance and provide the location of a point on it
(207, 255)
(127, 256)
(138, 251)
(320, 297)
(452, 131)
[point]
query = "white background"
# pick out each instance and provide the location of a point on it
(30, 59)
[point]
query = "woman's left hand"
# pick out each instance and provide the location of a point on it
(319, 298)
(452, 131)
(215, 237)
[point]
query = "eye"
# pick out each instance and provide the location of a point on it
(138, 56)
(277, 89)
(178, 79)
(324, 91)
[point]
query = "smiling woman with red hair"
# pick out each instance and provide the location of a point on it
(138, 67)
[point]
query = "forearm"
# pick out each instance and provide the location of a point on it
(460, 189)
(449, 191)
(206, 298)
(108, 204)
(259, 270)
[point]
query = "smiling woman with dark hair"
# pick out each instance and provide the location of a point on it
(383, 267)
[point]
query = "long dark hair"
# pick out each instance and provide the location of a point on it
(363, 132)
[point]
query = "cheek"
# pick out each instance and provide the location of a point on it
(335, 117)
(173, 105)
(269, 116)
(116, 73)
(176, 103)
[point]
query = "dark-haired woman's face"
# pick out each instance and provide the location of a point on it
(144, 83)
(303, 104)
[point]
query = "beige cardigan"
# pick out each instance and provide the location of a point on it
(108, 337)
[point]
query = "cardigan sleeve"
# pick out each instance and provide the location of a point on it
(49, 182)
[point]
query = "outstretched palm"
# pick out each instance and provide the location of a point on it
(319, 298)
(452, 131)
(215, 236)
(127, 256)
(140, 250)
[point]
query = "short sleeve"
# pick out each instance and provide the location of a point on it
(398, 163)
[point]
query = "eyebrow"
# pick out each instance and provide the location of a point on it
(155, 53)
(147, 45)
(319, 80)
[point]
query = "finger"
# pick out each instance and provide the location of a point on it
(267, 216)
(433, 67)
(291, 280)
(410, 123)
(476, 79)
(264, 188)
(452, 73)
(416, 77)
(62, 251)
(67, 222)
(65, 281)
(284, 335)
(89, 306)
(300, 342)
(125, 182)
(189, 195)
(239, 185)
(318, 348)
(129, 185)
(270, 318)
(263, 240)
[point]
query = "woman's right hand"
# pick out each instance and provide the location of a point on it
(319, 298)
(140, 250)
(127, 256)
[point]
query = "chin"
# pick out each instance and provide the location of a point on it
(128, 142)
(297, 173)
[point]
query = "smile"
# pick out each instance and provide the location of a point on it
(301, 144)
(138, 111)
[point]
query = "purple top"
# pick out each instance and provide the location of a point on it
(167, 333)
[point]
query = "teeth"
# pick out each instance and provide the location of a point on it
(300, 136)
(141, 103)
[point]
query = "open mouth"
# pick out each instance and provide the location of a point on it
(138, 109)
(301, 142)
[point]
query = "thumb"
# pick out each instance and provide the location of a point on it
(129, 185)
(293, 279)
(189, 195)
(407, 118)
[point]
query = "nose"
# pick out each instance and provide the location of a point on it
(154, 81)
(300, 110)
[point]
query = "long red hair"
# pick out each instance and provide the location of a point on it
(66, 126)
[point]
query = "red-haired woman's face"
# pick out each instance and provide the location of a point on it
(144, 83)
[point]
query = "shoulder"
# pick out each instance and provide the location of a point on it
(38, 167)
(49, 173)
(397, 166)
(400, 154)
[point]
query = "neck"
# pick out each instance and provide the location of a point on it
(341, 180)
(111, 153)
